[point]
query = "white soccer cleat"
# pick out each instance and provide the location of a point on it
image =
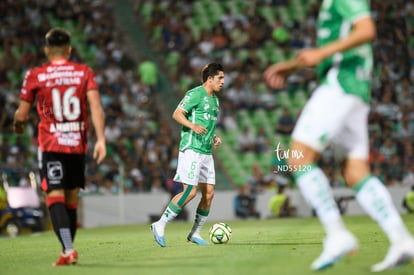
(335, 247)
(397, 255)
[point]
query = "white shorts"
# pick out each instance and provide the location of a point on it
(194, 168)
(333, 117)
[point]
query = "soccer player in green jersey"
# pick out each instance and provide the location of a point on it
(197, 113)
(337, 114)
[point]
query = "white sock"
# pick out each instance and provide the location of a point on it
(377, 202)
(199, 220)
(169, 214)
(315, 188)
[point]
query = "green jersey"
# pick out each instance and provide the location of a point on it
(202, 109)
(352, 68)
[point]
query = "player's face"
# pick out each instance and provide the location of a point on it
(217, 82)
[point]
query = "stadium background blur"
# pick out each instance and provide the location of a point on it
(145, 59)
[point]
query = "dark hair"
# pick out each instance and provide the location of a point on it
(57, 37)
(211, 69)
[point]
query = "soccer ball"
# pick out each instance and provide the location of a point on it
(220, 233)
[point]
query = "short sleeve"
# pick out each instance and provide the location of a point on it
(189, 101)
(27, 91)
(353, 10)
(91, 82)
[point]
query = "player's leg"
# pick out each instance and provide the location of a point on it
(75, 180)
(319, 122)
(188, 169)
(373, 196)
(315, 188)
(71, 205)
(55, 201)
(207, 177)
(177, 203)
(203, 209)
(171, 212)
(375, 199)
(53, 183)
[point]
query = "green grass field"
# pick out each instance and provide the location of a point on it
(285, 246)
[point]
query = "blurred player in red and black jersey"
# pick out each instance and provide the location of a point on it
(62, 90)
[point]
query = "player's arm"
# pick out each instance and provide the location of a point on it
(179, 115)
(275, 75)
(363, 31)
(98, 120)
(21, 116)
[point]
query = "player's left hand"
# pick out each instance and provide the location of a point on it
(99, 151)
(18, 127)
(217, 142)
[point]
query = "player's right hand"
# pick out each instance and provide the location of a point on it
(200, 130)
(276, 74)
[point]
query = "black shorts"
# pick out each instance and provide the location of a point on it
(62, 171)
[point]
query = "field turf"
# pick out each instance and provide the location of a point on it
(284, 246)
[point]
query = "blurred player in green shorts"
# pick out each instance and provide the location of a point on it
(336, 114)
(197, 112)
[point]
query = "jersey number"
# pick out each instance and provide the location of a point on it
(66, 107)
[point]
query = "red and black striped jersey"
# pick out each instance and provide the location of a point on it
(60, 89)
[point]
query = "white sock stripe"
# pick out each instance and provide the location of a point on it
(66, 238)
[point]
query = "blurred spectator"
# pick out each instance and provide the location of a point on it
(148, 72)
(388, 149)
(280, 204)
(256, 181)
(246, 141)
(408, 174)
(220, 39)
(405, 128)
(112, 132)
(285, 123)
(229, 122)
(393, 171)
(262, 142)
(245, 204)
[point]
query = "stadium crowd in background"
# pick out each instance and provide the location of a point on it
(239, 33)
(140, 138)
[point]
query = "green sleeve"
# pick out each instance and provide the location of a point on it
(189, 101)
(352, 9)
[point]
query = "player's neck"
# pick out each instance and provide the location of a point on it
(208, 89)
(58, 60)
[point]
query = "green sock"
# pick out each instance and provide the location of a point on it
(169, 214)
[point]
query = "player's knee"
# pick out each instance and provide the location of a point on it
(51, 200)
(299, 154)
(193, 192)
(191, 195)
(71, 205)
(355, 171)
